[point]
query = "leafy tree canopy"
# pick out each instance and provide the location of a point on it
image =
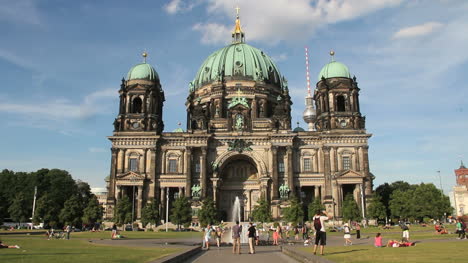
(181, 213)
(262, 211)
(208, 214)
(150, 213)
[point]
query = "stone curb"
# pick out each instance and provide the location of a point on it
(302, 256)
(179, 257)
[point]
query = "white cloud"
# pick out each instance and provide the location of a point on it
(213, 33)
(178, 6)
(419, 30)
(61, 109)
(283, 20)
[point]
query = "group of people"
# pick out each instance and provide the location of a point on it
(252, 235)
(65, 234)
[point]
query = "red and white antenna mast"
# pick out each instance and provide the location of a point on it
(307, 70)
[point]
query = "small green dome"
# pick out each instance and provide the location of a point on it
(298, 129)
(178, 130)
(143, 71)
(334, 69)
(238, 60)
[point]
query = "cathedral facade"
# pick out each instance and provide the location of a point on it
(238, 141)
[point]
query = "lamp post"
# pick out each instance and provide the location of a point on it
(133, 202)
(167, 207)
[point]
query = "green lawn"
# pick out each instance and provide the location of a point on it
(138, 234)
(450, 251)
(37, 249)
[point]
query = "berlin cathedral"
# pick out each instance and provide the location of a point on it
(238, 140)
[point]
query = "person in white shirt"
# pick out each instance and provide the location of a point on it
(320, 233)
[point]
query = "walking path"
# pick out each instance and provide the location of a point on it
(267, 254)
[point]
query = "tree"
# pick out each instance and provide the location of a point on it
(401, 204)
(208, 214)
(72, 211)
(314, 206)
(181, 213)
(350, 209)
(93, 211)
(123, 211)
(376, 208)
(150, 213)
(294, 212)
(17, 209)
(428, 201)
(3, 208)
(47, 211)
(262, 211)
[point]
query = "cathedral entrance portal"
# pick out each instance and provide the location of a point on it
(239, 179)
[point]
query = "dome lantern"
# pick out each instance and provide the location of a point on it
(334, 69)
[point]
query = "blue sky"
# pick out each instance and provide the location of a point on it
(61, 63)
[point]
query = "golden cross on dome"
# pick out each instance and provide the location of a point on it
(237, 10)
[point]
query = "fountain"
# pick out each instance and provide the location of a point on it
(236, 216)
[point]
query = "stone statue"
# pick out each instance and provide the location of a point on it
(284, 191)
(239, 122)
(196, 189)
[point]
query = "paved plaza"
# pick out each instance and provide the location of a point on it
(268, 254)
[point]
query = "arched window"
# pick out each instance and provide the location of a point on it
(137, 103)
(340, 103)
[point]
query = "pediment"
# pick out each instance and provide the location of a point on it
(131, 176)
(349, 174)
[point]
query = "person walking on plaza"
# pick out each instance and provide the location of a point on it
(347, 235)
(358, 231)
(251, 235)
(219, 234)
(405, 229)
(236, 232)
(208, 231)
(68, 230)
(461, 229)
(320, 234)
(304, 232)
(296, 232)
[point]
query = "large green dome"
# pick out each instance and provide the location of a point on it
(143, 71)
(238, 60)
(334, 69)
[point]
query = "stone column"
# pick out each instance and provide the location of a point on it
(203, 181)
(152, 173)
(113, 170)
(120, 158)
(124, 161)
(188, 173)
(139, 201)
(163, 162)
(145, 161)
(328, 198)
(181, 191)
(316, 191)
(356, 159)
(274, 185)
(249, 203)
(118, 193)
(128, 104)
(336, 198)
(289, 170)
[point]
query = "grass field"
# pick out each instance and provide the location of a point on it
(37, 249)
(450, 251)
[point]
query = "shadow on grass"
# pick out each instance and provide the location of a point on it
(344, 252)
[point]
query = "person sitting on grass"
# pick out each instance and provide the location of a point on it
(7, 246)
(403, 243)
(440, 229)
(378, 240)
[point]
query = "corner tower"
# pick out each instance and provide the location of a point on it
(141, 101)
(337, 99)
(137, 130)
